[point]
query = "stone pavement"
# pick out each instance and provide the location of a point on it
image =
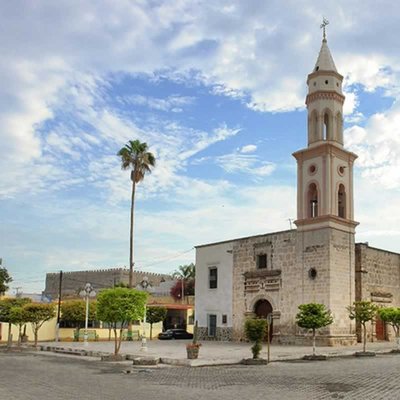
(46, 376)
(216, 353)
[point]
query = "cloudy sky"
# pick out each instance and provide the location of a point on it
(217, 91)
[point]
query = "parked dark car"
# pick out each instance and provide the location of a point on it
(175, 334)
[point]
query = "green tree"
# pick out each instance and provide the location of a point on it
(154, 315)
(19, 317)
(255, 332)
(5, 311)
(74, 311)
(135, 157)
(37, 315)
(5, 278)
(118, 307)
(391, 315)
(363, 312)
(313, 316)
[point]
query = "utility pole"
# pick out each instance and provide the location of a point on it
(59, 306)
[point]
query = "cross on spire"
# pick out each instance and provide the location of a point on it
(325, 22)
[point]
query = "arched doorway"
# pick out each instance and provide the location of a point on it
(262, 308)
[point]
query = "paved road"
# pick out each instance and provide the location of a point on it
(51, 377)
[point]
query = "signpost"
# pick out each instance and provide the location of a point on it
(269, 322)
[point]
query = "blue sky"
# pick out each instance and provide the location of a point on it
(217, 92)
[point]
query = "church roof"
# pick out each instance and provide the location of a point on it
(325, 61)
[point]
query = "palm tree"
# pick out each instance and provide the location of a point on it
(134, 156)
(185, 272)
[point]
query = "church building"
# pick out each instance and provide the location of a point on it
(319, 261)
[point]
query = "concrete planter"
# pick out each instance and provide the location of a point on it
(192, 351)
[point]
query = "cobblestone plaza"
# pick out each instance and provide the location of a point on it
(43, 376)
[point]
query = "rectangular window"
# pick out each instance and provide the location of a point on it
(224, 319)
(212, 325)
(213, 278)
(262, 261)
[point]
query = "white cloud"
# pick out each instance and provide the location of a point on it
(240, 162)
(172, 103)
(378, 147)
(249, 148)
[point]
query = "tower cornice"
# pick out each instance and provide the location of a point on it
(324, 221)
(325, 95)
(324, 149)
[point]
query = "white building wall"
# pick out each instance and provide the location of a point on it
(214, 301)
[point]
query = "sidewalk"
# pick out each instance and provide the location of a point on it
(214, 353)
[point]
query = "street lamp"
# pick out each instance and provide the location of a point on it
(87, 292)
(145, 285)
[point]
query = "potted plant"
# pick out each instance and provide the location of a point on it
(193, 348)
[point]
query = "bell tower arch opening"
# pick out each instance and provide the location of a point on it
(312, 201)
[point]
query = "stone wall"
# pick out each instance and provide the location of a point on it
(377, 280)
(73, 282)
(271, 285)
(342, 287)
(222, 334)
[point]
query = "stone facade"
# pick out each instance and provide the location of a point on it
(73, 282)
(343, 273)
(377, 280)
(251, 284)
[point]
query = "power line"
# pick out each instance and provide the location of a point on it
(162, 260)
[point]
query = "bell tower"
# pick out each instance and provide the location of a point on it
(325, 168)
(325, 212)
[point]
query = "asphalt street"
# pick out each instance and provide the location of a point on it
(26, 376)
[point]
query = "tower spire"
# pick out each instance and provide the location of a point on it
(325, 22)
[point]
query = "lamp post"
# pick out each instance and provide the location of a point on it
(87, 292)
(144, 284)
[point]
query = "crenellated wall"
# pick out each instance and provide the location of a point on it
(74, 281)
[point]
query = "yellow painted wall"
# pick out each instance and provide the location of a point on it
(46, 332)
(103, 333)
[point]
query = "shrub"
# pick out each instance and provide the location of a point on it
(255, 330)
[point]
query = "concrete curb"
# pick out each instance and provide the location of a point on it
(140, 359)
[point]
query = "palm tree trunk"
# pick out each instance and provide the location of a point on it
(131, 248)
(131, 260)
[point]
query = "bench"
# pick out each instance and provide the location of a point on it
(91, 334)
